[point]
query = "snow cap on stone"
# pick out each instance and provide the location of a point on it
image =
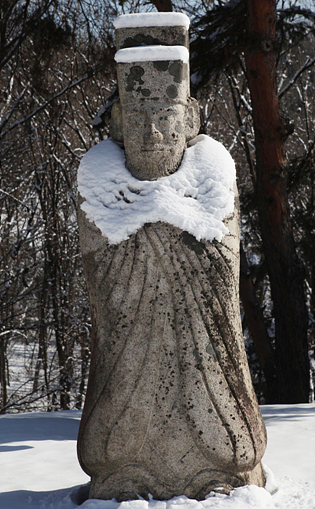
(152, 19)
(152, 54)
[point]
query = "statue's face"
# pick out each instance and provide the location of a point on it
(154, 137)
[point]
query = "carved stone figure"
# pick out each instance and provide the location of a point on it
(170, 408)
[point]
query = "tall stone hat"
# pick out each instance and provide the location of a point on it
(162, 29)
(152, 57)
(153, 73)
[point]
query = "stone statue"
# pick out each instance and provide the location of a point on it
(170, 408)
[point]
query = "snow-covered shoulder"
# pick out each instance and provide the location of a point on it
(196, 198)
(152, 54)
(152, 19)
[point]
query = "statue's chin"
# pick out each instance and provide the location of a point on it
(152, 164)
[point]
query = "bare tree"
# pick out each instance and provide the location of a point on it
(52, 84)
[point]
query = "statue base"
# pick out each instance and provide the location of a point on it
(135, 481)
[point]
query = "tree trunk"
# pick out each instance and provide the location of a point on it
(163, 5)
(285, 269)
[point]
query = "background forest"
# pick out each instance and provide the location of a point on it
(57, 86)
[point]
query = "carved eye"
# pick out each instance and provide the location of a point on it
(163, 121)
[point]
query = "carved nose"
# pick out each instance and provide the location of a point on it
(152, 135)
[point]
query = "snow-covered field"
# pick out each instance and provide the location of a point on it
(39, 467)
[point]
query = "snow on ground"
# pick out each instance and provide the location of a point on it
(39, 467)
(196, 198)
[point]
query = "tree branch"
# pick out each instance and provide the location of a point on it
(307, 64)
(63, 91)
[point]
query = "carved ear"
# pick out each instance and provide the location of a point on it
(116, 125)
(192, 119)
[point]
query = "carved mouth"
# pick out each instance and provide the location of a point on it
(153, 149)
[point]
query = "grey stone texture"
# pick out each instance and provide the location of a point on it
(170, 408)
(149, 36)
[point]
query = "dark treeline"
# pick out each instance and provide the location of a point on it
(255, 84)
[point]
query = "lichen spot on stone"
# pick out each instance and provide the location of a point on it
(140, 40)
(161, 65)
(177, 71)
(193, 243)
(135, 76)
(171, 91)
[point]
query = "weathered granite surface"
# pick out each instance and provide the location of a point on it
(170, 407)
(147, 36)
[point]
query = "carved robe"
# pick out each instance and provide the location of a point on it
(170, 408)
